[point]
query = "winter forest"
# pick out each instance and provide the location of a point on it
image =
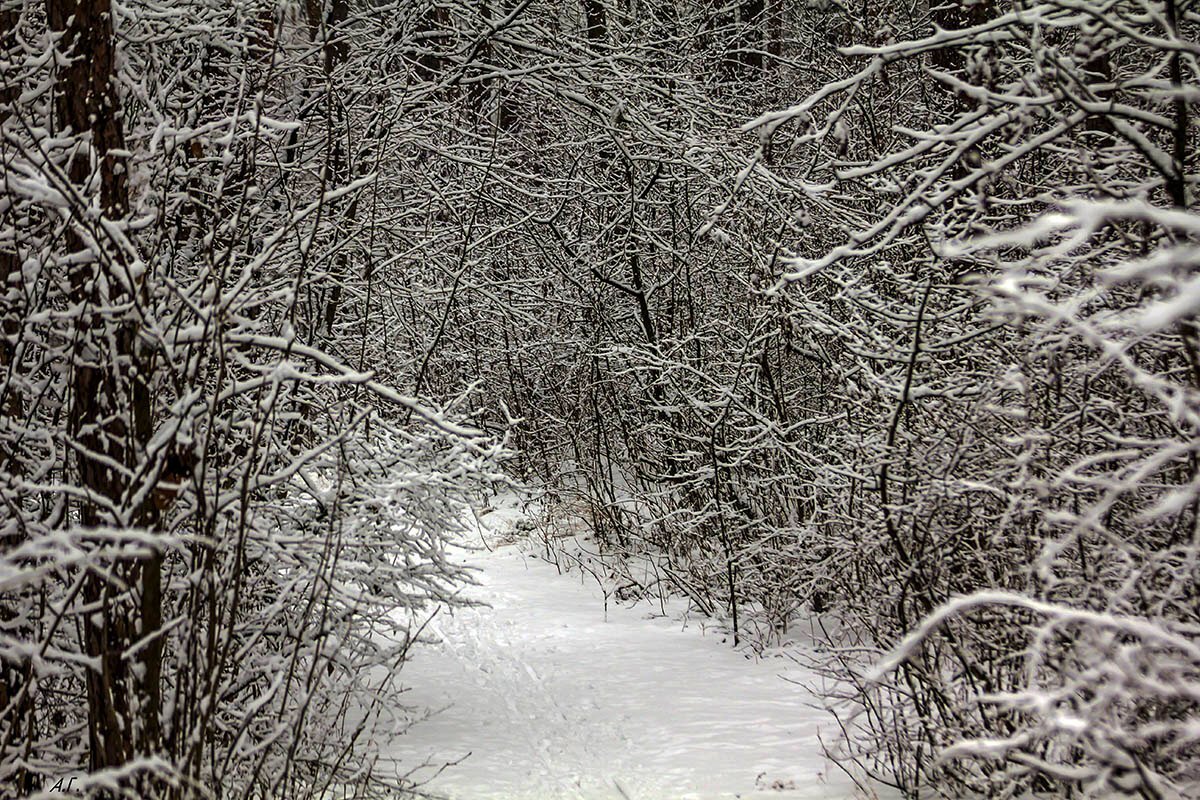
(854, 338)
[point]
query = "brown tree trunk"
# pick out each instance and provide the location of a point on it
(753, 20)
(953, 15)
(775, 29)
(8, 93)
(596, 20)
(748, 25)
(336, 49)
(110, 410)
(10, 324)
(431, 33)
(1098, 74)
(1177, 185)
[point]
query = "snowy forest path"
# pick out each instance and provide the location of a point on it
(543, 694)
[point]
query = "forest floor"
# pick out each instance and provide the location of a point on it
(544, 694)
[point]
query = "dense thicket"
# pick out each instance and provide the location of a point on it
(220, 528)
(881, 316)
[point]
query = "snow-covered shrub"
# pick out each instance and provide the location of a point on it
(1107, 639)
(219, 526)
(1016, 398)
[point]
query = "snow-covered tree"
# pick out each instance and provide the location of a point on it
(221, 527)
(1016, 415)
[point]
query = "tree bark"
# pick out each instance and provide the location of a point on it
(953, 15)
(753, 20)
(110, 410)
(596, 19)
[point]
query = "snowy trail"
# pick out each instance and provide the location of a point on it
(543, 698)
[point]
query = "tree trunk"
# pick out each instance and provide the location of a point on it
(753, 20)
(431, 33)
(337, 50)
(596, 19)
(110, 410)
(953, 15)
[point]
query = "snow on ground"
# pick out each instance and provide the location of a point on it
(542, 697)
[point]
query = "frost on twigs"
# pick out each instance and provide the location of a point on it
(224, 505)
(1105, 688)
(998, 303)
